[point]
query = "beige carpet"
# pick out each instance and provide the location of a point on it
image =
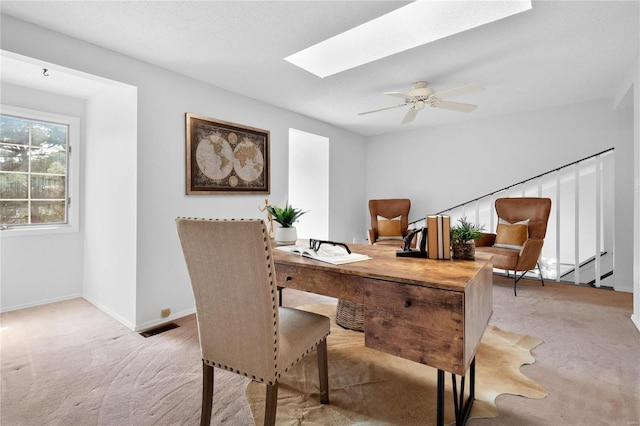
(371, 387)
(69, 364)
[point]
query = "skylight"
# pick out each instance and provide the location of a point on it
(413, 25)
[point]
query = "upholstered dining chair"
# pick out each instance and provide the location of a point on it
(389, 221)
(240, 326)
(517, 243)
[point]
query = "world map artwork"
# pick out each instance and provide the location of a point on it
(228, 158)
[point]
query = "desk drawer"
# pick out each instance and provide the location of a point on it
(422, 324)
(327, 283)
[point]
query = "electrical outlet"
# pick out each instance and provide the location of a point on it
(165, 312)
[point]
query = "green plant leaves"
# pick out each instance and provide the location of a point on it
(286, 216)
(465, 231)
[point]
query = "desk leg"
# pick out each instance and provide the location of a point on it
(440, 399)
(461, 409)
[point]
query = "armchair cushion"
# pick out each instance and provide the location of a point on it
(503, 258)
(512, 235)
(389, 229)
(486, 240)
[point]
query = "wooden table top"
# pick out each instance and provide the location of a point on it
(452, 275)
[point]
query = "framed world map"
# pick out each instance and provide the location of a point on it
(226, 158)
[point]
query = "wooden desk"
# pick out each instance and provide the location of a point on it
(429, 311)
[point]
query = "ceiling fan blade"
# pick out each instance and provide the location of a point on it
(462, 90)
(411, 114)
(454, 106)
(398, 95)
(382, 109)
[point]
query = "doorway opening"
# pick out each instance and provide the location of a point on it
(309, 182)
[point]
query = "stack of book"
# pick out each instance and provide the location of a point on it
(439, 237)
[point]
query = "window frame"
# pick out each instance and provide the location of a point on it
(73, 174)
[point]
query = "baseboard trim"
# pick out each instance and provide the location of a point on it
(111, 313)
(40, 302)
(635, 318)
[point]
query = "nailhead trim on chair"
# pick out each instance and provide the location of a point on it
(274, 306)
(274, 303)
(262, 380)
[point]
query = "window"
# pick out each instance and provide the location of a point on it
(35, 169)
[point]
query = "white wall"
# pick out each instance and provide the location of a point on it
(40, 268)
(309, 183)
(452, 164)
(163, 99)
(109, 200)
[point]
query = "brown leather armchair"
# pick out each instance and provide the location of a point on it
(514, 210)
(389, 209)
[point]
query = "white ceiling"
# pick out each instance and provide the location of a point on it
(558, 53)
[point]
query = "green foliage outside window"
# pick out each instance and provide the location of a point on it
(33, 171)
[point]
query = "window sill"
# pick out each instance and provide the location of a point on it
(37, 230)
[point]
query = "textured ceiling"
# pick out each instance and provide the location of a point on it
(558, 53)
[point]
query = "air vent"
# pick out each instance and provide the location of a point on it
(158, 330)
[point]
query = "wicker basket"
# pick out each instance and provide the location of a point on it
(350, 315)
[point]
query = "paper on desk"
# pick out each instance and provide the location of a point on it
(326, 253)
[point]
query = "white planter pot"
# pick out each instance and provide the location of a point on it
(286, 236)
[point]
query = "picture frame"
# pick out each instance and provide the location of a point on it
(225, 158)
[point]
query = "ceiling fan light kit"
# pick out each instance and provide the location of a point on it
(421, 95)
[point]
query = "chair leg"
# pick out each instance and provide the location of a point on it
(271, 404)
(541, 277)
(516, 278)
(323, 372)
(207, 394)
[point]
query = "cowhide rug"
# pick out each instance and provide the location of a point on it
(368, 387)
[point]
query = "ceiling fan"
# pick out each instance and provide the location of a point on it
(423, 95)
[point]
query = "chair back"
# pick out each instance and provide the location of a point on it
(233, 280)
(537, 210)
(390, 208)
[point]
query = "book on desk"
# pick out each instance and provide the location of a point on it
(335, 255)
(439, 237)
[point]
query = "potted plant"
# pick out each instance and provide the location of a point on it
(463, 238)
(286, 217)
